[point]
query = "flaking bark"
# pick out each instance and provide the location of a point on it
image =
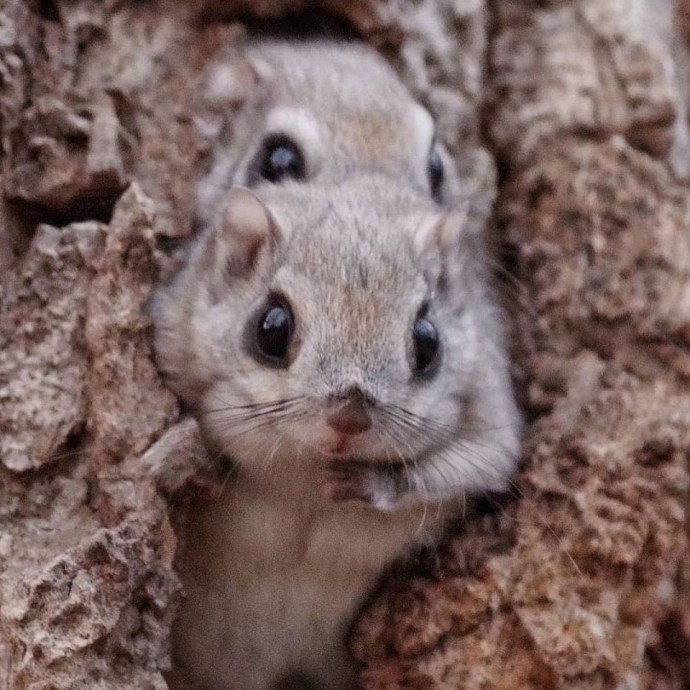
(579, 581)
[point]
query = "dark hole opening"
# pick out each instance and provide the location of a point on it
(46, 9)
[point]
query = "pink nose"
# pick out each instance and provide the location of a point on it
(350, 418)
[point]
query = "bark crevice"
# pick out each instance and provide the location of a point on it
(579, 580)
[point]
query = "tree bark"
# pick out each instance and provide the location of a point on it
(569, 122)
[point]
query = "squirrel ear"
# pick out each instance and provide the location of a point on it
(247, 230)
(441, 233)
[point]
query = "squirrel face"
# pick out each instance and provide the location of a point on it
(336, 309)
(323, 124)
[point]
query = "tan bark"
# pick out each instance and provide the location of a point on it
(581, 105)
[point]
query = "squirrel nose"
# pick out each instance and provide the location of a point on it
(351, 416)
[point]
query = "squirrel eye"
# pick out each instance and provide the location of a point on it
(278, 159)
(436, 173)
(426, 345)
(274, 333)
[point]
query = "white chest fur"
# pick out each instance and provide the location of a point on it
(273, 576)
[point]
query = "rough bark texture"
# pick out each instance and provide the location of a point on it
(581, 106)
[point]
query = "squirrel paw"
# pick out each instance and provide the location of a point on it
(357, 481)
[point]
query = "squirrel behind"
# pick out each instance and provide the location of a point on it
(334, 334)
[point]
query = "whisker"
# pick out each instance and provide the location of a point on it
(524, 298)
(250, 407)
(467, 451)
(520, 494)
(441, 426)
(261, 424)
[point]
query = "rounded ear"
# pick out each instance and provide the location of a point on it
(233, 80)
(247, 232)
(441, 232)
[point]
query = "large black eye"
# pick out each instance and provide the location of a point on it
(436, 173)
(426, 346)
(279, 158)
(274, 332)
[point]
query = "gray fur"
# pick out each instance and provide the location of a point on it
(276, 568)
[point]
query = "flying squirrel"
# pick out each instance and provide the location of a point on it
(334, 334)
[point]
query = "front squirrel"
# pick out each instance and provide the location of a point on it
(333, 332)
